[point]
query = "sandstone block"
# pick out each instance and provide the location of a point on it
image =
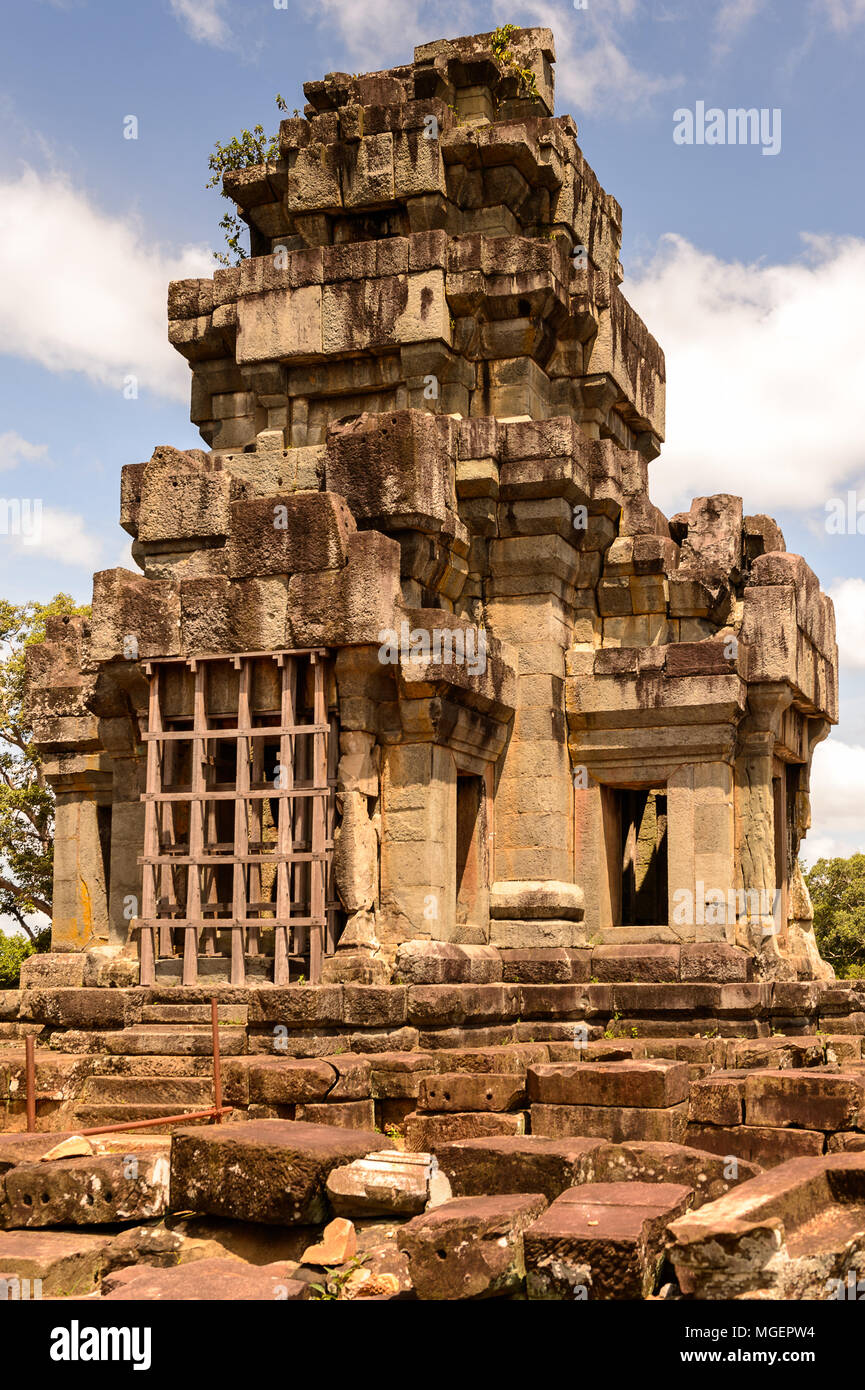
(666, 1124)
(427, 1133)
(471, 1247)
(602, 1240)
(269, 1171)
(635, 1083)
(481, 1091)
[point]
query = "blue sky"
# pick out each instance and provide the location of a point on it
(749, 269)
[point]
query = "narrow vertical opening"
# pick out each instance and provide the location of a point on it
(642, 826)
(470, 849)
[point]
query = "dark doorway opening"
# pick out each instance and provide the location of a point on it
(471, 867)
(643, 842)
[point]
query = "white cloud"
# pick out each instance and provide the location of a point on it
(203, 20)
(732, 19)
(29, 528)
(375, 33)
(761, 366)
(15, 449)
(83, 291)
(843, 14)
(837, 801)
(848, 596)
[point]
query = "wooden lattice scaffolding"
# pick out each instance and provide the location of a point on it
(239, 814)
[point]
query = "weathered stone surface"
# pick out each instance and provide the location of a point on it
(271, 1171)
(346, 1114)
(759, 1144)
(289, 1080)
(631, 1082)
(789, 1233)
(518, 1163)
(218, 1280)
(602, 1240)
(387, 1184)
(805, 1100)
(95, 1191)
(666, 1124)
(482, 1091)
(68, 1262)
(427, 1133)
(471, 1247)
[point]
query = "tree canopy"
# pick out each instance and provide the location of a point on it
(26, 800)
(837, 888)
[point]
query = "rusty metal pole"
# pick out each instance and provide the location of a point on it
(217, 1065)
(30, 1081)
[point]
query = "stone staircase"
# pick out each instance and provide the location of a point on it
(175, 1042)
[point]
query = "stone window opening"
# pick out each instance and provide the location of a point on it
(239, 816)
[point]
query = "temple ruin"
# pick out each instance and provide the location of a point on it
(420, 732)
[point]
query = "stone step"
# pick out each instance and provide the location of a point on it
(193, 1013)
(133, 1042)
(179, 1091)
(94, 1116)
(147, 1068)
(186, 1027)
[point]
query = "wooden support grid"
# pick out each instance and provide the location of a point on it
(147, 931)
(285, 843)
(241, 828)
(301, 909)
(196, 833)
(330, 825)
(317, 869)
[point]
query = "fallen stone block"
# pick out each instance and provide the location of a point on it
(337, 1246)
(68, 1262)
(617, 1122)
(387, 1184)
(427, 1133)
(709, 1175)
(517, 1163)
(289, 1080)
(637, 1084)
(516, 1058)
(776, 1053)
(101, 1190)
(270, 1171)
(471, 1247)
(793, 1232)
(482, 1091)
(216, 1280)
(602, 1241)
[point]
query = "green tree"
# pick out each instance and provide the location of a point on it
(837, 888)
(26, 800)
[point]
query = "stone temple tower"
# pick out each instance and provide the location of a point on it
(413, 674)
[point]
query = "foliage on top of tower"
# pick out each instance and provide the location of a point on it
(502, 50)
(253, 147)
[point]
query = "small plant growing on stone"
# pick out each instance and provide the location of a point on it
(335, 1280)
(500, 44)
(251, 148)
(613, 1028)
